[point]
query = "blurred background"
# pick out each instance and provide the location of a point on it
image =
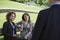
(19, 7)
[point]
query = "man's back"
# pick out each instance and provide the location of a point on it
(48, 24)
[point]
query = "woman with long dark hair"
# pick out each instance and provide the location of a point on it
(26, 26)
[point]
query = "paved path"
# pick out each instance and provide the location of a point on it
(14, 10)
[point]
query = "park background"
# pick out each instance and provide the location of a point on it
(19, 7)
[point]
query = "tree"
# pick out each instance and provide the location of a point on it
(45, 2)
(27, 0)
(36, 1)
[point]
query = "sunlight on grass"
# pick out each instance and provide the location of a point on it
(21, 6)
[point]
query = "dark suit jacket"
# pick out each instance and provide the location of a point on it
(47, 26)
(8, 31)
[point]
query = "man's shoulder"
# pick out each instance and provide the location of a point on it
(45, 11)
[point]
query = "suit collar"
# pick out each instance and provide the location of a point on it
(56, 4)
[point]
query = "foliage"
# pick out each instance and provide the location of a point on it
(45, 2)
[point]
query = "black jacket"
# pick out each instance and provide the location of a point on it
(8, 31)
(47, 26)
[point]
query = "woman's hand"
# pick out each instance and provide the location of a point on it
(25, 37)
(14, 35)
(19, 26)
(17, 35)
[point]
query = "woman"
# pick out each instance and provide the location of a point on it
(9, 28)
(26, 26)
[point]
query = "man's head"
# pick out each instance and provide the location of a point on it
(52, 1)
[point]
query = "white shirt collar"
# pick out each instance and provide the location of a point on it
(55, 3)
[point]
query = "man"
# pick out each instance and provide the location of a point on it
(47, 26)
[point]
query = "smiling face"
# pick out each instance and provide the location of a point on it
(12, 17)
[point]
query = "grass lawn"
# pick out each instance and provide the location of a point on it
(15, 5)
(20, 6)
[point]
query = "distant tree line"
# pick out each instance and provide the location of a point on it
(45, 2)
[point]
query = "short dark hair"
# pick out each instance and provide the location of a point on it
(26, 13)
(9, 14)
